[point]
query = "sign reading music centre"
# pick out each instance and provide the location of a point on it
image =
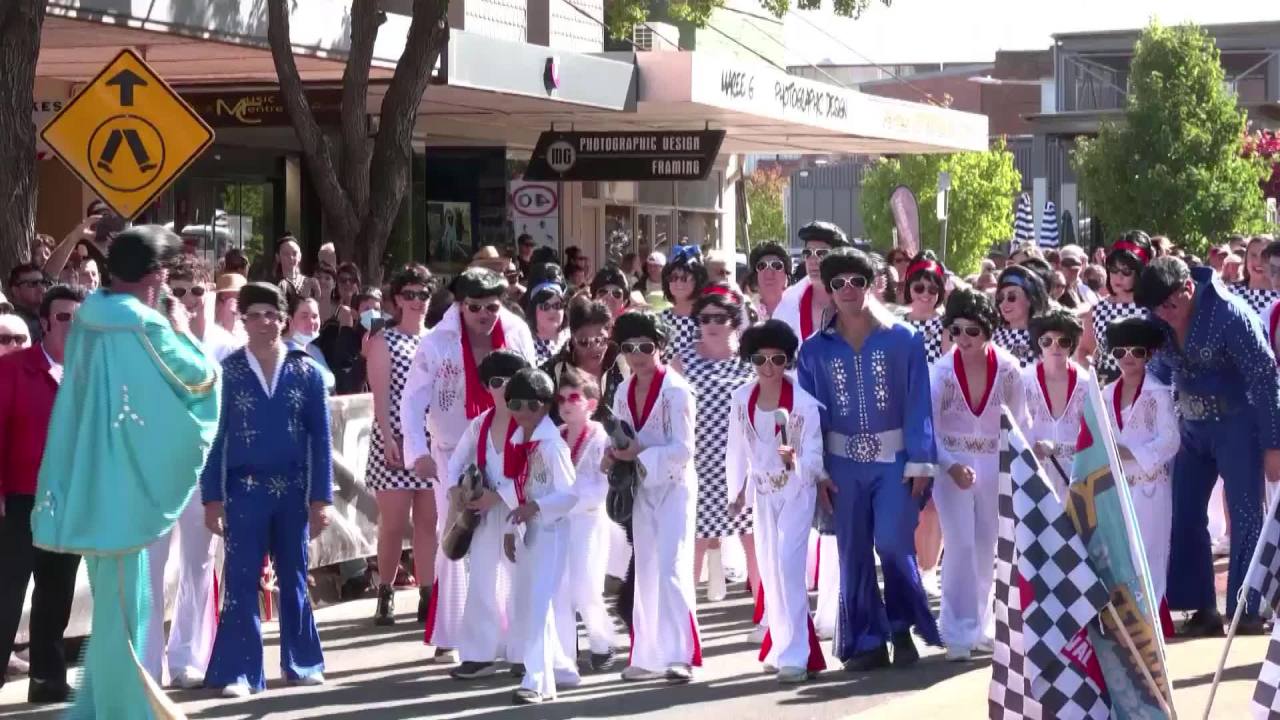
(624, 156)
(127, 134)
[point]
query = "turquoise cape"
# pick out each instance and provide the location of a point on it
(133, 420)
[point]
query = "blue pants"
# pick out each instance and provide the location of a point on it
(874, 510)
(114, 684)
(264, 514)
(1229, 448)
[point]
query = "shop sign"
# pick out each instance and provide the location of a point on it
(42, 111)
(625, 156)
(534, 200)
(786, 93)
(261, 108)
(127, 134)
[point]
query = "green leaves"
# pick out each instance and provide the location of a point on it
(622, 16)
(765, 190)
(1176, 166)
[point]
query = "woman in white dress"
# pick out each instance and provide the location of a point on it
(1056, 389)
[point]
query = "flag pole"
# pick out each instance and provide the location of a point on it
(1240, 605)
(1146, 672)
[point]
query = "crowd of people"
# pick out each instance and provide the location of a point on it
(823, 416)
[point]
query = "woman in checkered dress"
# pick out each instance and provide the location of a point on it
(715, 370)
(1256, 289)
(546, 311)
(1125, 261)
(683, 278)
(1020, 296)
(922, 295)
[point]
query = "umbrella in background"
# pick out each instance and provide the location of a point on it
(1049, 226)
(1024, 228)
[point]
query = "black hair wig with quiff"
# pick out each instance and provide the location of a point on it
(477, 282)
(769, 334)
(1056, 320)
(691, 265)
(1134, 332)
(640, 323)
(972, 305)
(531, 384)
(501, 363)
(845, 261)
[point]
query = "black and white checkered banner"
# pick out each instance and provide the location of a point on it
(1265, 578)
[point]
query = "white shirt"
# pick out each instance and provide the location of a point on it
(961, 433)
(268, 388)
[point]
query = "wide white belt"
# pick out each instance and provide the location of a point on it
(880, 447)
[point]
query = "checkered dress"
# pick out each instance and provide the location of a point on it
(684, 332)
(931, 328)
(1258, 300)
(547, 349)
(402, 347)
(1017, 342)
(713, 382)
(1105, 313)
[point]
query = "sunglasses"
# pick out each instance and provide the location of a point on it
(680, 277)
(778, 359)
(570, 398)
(517, 405)
(269, 315)
(1010, 297)
(590, 341)
(1139, 353)
(924, 288)
(13, 339)
(497, 383)
(770, 265)
(819, 253)
(62, 317)
(196, 291)
(615, 293)
(1062, 342)
(972, 331)
(422, 295)
(1118, 270)
(640, 348)
(492, 308)
(556, 306)
(840, 283)
(713, 319)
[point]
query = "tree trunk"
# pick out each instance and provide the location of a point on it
(20, 23)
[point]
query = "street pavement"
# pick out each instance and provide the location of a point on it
(383, 673)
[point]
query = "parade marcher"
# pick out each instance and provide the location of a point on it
(444, 376)
(870, 374)
(490, 606)
(714, 370)
(660, 406)
(807, 306)
(1218, 361)
(266, 489)
(547, 315)
(1256, 289)
(922, 294)
(1147, 437)
(683, 279)
(28, 385)
(582, 590)
(1056, 388)
(772, 465)
(771, 265)
(1124, 263)
(1020, 296)
(541, 473)
(138, 404)
(610, 287)
(972, 387)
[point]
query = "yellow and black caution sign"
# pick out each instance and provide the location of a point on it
(127, 134)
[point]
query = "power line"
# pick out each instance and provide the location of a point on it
(834, 80)
(627, 40)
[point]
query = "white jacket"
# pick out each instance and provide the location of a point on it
(751, 460)
(957, 429)
(1150, 431)
(668, 435)
(1062, 431)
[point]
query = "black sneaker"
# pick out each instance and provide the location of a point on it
(516, 670)
(424, 602)
(386, 613)
(43, 691)
(603, 662)
(1203, 624)
(472, 670)
(1252, 625)
(869, 660)
(904, 650)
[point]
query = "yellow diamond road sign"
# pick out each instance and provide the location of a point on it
(127, 134)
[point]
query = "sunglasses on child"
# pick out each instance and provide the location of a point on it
(7, 339)
(1062, 342)
(776, 265)
(640, 348)
(268, 315)
(840, 283)
(569, 399)
(615, 293)
(1139, 353)
(491, 308)
(497, 383)
(778, 359)
(587, 342)
(518, 405)
(196, 291)
(972, 331)
(818, 253)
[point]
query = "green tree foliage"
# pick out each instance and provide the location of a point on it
(623, 15)
(1176, 165)
(980, 209)
(765, 196)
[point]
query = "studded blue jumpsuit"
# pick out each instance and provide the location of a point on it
(1228, 397)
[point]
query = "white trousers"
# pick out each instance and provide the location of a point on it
(664, 625)
(486, 611)
(445, 626)
(1153, 507)
(826, 570)
(969, 521)
(539, 574)
(582, 587)
(782, 528)
(194, 610)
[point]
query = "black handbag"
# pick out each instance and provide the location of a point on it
(462, 523)
(624, 476)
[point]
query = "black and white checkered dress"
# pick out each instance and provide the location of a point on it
(931, 328)
(1106, 312)
(1017, 342)
(714, 382)
(546, 349)
(684, 332)
(1258, 300)
(402, 347)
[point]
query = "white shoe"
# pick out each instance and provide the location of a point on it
(445, 656)
(985, 646)
(188, 679)
(770, 669)
(638, 673)
(793, 675)
(757, 634)
(237, 690)
(679, 672)
(959, 654)
(716, 589)
(18, 666)
(931, 584)
(309, 680)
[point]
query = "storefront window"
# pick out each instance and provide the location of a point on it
(619, 232)
(698, 228)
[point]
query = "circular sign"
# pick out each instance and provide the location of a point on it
(561, 156)
(126, 153)
(535, 200)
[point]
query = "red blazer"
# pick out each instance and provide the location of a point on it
(27, 389)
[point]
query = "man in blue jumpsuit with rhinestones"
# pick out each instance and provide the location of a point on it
(869, 372)
(266, 487)
(1219, 362)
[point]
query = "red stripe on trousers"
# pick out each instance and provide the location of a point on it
(817, 661)
(758, 615)
(432, 604)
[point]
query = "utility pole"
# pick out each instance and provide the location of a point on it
(944, 189)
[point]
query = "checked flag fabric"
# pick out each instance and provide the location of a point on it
(1266, 694)
(1266, 578)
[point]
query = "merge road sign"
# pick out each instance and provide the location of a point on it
(127, 134)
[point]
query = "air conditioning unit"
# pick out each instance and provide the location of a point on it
(654, 36)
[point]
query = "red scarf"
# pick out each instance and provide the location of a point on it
(655, 385)
(482, 445)
(806, 313)
(478, 398)
(1071, 388)
(964, 384)
(515, 464)
(1117, 398)
(786, 399)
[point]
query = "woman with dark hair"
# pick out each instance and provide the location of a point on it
(544, 310)
(610, 287)
(922, 294)
(399, 492)
(715, 371)
(589, 350)
(327, 278)
(683, 279)
(1056, 389)
(1128, 256)
(1020, 296)
(970, 387)
(1256, 289)
(901, 262)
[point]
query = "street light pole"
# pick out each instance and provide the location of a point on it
(944, 189)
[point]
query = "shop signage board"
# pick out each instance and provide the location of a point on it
(261, 108)
(127, 134)
(624, 156)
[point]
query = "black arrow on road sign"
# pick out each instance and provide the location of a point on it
(126, 80)
(139, 152)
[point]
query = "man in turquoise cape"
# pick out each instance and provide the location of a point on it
(133, 420)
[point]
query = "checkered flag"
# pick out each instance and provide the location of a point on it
(1265, 578)
(1266, 695)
